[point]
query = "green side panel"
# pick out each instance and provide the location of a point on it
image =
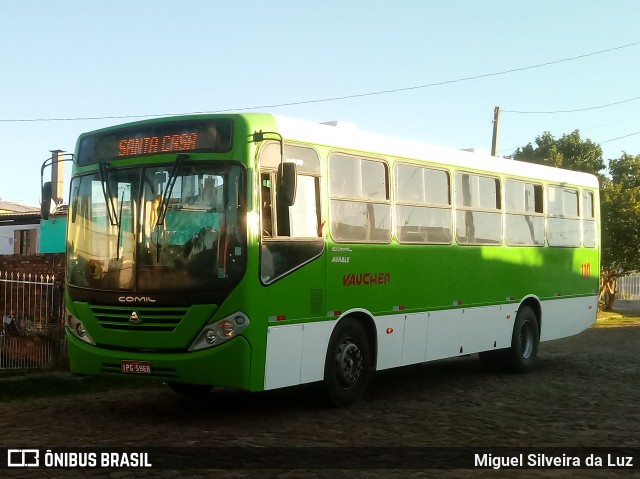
(53, 235)
(226, 365)
(297, 297)
(427, 277)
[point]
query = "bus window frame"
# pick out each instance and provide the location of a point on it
(360, 200)
(271, 244)
(535, 214)
(591, 219)
(427, 205)
(499, 210)
(563, 217)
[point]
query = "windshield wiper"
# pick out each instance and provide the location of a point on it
(166, 194)
(164, 202)
(108, 197)
(115, 218)
(119, 228)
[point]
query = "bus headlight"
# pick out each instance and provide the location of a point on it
(220, 332)
(77, 328)
(210, 336)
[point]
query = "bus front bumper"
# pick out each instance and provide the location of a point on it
(227, 365)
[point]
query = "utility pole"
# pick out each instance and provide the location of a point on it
(496, 128)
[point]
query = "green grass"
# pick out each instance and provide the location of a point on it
(617, 319)
(14, 386)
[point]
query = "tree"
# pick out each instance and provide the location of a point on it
(619, 199)
(620, 212)
(570, 152)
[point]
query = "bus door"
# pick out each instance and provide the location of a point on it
(291, 239)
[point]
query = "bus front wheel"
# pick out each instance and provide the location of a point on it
(347, 365)
(522, 355)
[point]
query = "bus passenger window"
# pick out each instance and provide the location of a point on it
(588, 220)
(423, 211)
(360, 205)
(524, 222)
(478, 209)
(563, 223)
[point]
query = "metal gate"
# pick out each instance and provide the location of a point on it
(628, 287)
(32, 309)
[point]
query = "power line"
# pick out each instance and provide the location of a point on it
(621, 137)
(337, 98)
(598, 142)
(602, 125)
(572, 111)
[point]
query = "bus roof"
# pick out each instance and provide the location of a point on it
(352, 138)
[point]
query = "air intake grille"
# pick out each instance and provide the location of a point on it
(139, 318)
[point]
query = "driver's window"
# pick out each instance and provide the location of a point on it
(266, 204)
(281, 223)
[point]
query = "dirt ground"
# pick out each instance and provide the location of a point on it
(585, 392)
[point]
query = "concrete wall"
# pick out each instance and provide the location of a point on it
(53, 235)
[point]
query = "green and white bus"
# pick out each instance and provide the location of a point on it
(255, 251)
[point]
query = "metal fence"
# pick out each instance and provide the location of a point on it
(32, 310)
(628, 287)
(29, 352)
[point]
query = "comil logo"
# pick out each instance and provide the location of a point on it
(136, 299)
(23, 458)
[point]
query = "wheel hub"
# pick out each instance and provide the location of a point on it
(349, 362)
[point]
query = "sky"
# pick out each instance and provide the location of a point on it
(427, 70)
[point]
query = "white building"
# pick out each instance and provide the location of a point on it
(19, 228)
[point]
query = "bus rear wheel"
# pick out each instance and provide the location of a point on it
(347, 365)
(523, 353)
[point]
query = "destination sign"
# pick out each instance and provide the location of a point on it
(209, 135)
(158, 144)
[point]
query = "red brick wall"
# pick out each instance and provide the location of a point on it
(46, 264)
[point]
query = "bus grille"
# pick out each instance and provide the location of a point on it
(148, 319)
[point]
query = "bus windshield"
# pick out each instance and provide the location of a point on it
(157, 228)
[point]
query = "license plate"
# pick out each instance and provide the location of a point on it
(135, 367)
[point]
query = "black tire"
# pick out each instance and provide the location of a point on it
(190, 390)
(347, 366)
(521, 357)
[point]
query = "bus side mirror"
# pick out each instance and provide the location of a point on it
(287, 183)
(45, 205)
